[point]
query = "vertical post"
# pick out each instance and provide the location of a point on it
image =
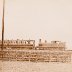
(3, 28)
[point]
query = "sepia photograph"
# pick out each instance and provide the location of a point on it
(35, 35)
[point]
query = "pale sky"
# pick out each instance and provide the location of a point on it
(35, 19)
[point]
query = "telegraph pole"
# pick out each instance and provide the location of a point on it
(3, 27)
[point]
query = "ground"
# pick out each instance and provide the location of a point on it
(20, 66)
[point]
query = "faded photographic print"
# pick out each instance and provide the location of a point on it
(35, 35)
